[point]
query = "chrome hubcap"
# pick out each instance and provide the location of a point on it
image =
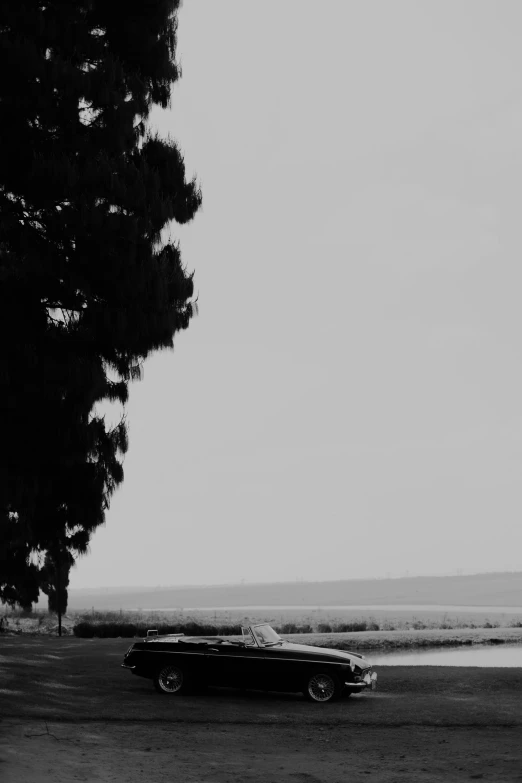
(171, 679)
(321, 687)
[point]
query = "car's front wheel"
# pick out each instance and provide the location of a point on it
(322, 687)
(171, 679)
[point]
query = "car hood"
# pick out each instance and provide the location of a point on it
(343, 655)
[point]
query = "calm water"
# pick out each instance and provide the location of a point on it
(358, 607)
(480, 655)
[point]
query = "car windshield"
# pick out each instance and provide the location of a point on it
(248, 637)
(266, 635)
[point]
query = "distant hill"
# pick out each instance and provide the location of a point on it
(499, 589)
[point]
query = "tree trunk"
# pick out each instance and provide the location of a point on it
(59, 593)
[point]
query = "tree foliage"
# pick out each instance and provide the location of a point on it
(87, 288)
(54, 579)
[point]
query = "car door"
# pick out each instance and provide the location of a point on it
(235, 665)
(284, 669)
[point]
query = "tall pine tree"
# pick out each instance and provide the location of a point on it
(87, 288)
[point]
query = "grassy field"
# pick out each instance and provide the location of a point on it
(408, 634)
(387, 627)
(410, 639)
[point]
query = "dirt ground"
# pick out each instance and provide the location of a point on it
(206, 753)
(68, 712)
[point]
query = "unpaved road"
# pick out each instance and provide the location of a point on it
(69, 713)
(206, 753)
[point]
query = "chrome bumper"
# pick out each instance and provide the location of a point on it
(126, 666)
(368, 681)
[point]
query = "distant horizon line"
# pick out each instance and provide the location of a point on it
(244, 583)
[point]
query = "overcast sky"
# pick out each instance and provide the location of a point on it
(349, 401)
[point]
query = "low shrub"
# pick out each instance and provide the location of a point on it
(324, 628)
(358, 625)
(111, 630)
(288, 628)
(136, 624)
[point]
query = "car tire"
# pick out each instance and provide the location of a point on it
(171, 680)
(322, 687)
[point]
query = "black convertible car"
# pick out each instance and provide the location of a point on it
(261, 660)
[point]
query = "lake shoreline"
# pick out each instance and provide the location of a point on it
(409, 639)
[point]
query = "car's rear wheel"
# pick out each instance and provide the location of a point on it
(322, 687)
(171, 680)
